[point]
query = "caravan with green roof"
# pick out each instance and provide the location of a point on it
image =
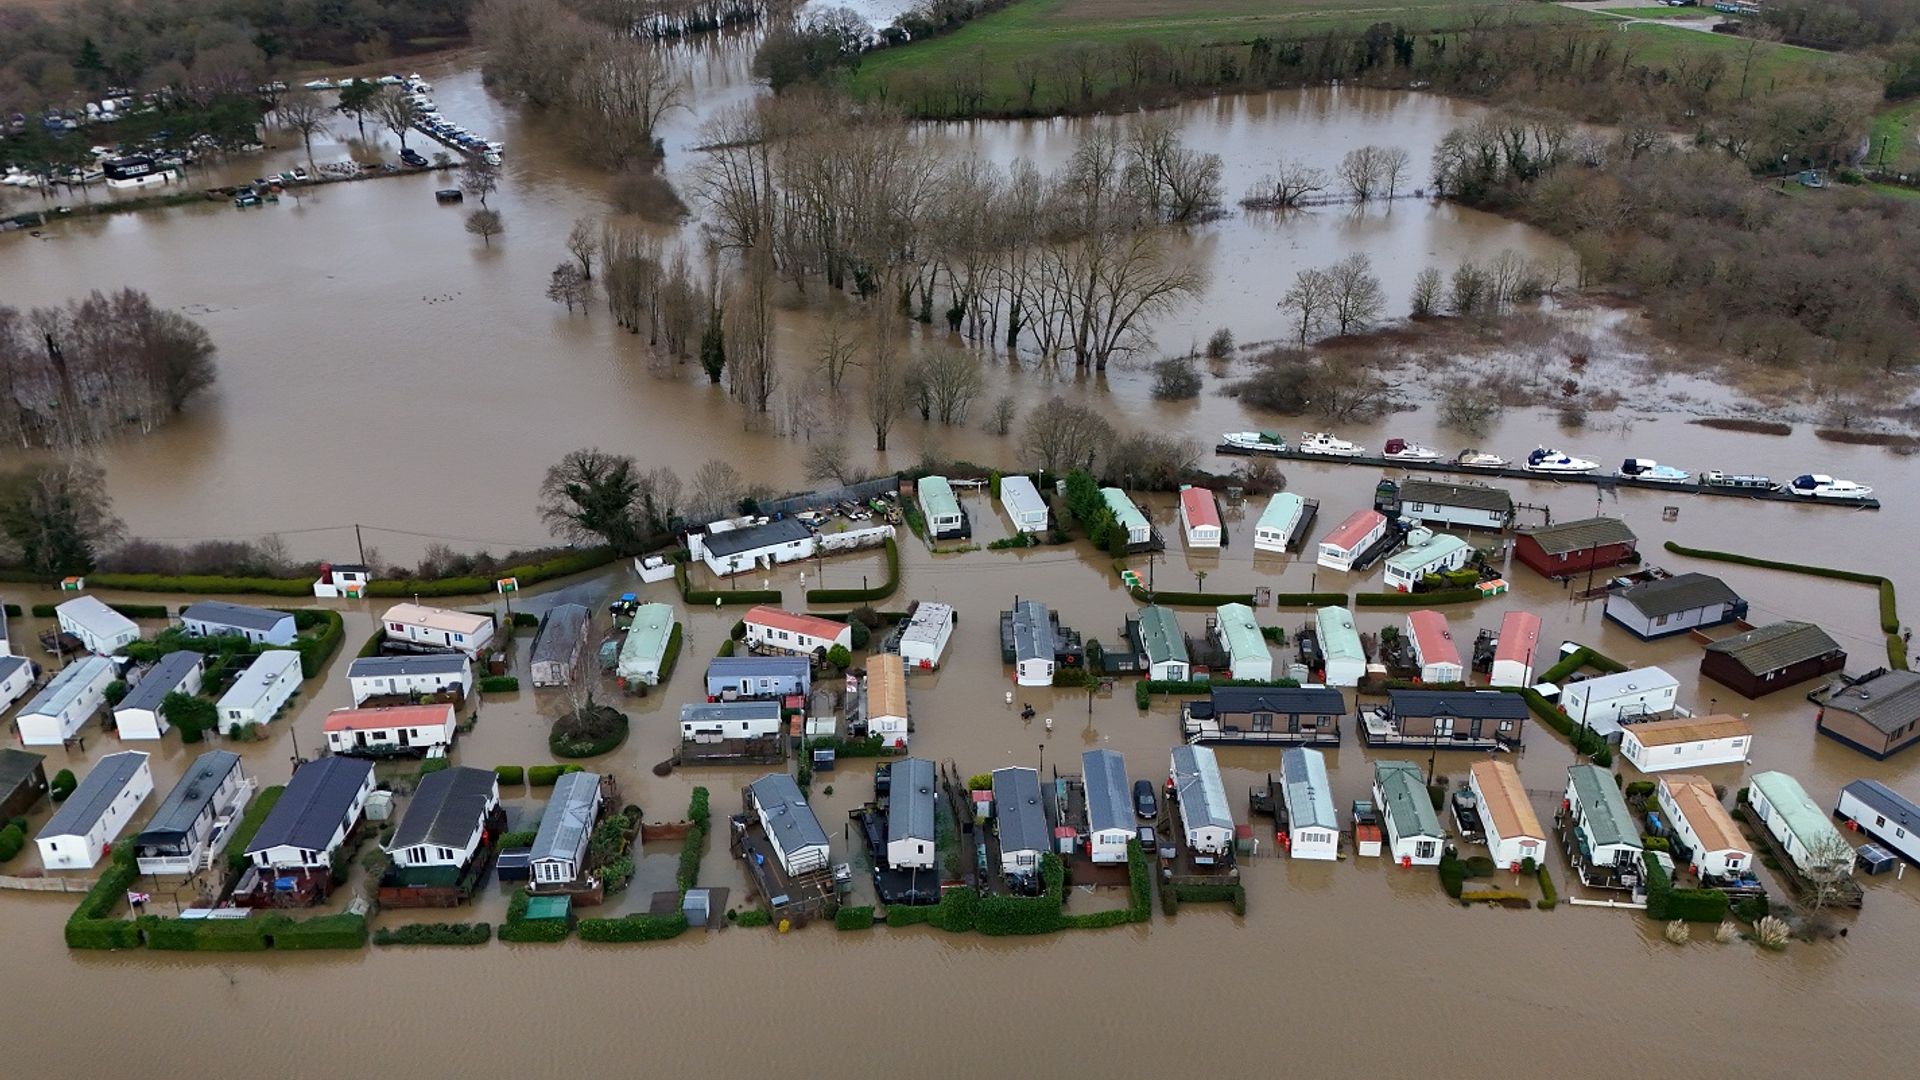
(1128, 516)
(1801, 827)
(1414, 835)
(1340, 648)
(1603, 842)
(1281, 523)
(941, 510)
(1239, 634)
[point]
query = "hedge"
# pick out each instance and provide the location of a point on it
(1310, 599)
(1423, 599)
(1235, 894)
(372, 645)
(1164, 598)
(510, 775)
(1453, 874)
(1584, 739)
(342, 931)
(1889, 602)
(632, 928)
(754, 917)
(207, 935)
(854, 918)
(62, 785)
(1549, 896)
(859, 596)
(526, 620)
(434, 765)
(573, 562)
(1140, 883)
(726, 647)
(694, 846)
(13, 610)
(1580, 658)
(257, 812)
(478, 933)
(89, 927)
(710, 597)
(12, 840)
(1664, 902)
(521, 930)
(316, 649)
(547, 775)
(1145, 688)
(672, 653)
(871, 746)
(499, 684)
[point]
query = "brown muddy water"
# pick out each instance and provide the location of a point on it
(378, 367)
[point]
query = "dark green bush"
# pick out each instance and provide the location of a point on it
(1235, 894)
(545, 775)
(521, 930)
(1166, 598)
(572, 562)
(1664, 902)
(754, 917)
(1549, 896)
(62, 785)
(633, 928)
(1584, 739)
(526, 620)
(257, 812)
(499, 684)
(510, 775)
(857, 596)
(1425, 599)
(669, 657)
(342, 931)
(12, 839)
(854, 918)
(1143, 689)
(478, 933)
(371, 647)
(434, 765)
(588, 732)
(1453, 874)
(695, 844)
(709, 597)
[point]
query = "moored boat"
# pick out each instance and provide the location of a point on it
(1402, 450)
(1264, 441)
(1472, 458)
(1742, 481)
(1546, 460)
(1652, 471)
(1822, 486)
(1319, 442)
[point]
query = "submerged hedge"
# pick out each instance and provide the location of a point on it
(1889, 601)
(1584, 739)
(1665, 902)
(478, 933)
(860, 596)
(709, 597)
(572, 562)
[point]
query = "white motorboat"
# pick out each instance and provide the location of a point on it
(318, 84)
(1402, 450)
(1742, 481)
(1319, 442)
(1471, 458)
(1822, 486)
(1263, 441)
(1545, 460)
(1647, 469)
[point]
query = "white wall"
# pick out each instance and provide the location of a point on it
(235, 712)
(1110, 846)
(15, 686)
(1317, 842)
(429, 736)
(71, 852)
(52, 729)
(1033, 672)
(793, 641)
(728, 729)
(365, 687)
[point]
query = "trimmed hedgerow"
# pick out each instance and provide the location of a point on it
(1889, 602)
(499, 684)
(1145, 688)
(90, 927)
(547, 775)
(1549, 896)
(860, 596)
(709, 597)
(631, 928)
(1664, 902)
(478, 933)
(1584, 739)
(854, 918)
(521, 930)
(1197, 893)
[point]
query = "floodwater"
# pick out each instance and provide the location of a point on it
(352, 391)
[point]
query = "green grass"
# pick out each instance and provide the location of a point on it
(1774, 64)
(1896, 135)
(1697, 12)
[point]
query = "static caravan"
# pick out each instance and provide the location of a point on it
(1674, 605)
(1465, 505)
(196, 818)
(559, 645)
(940, 508)
(1247, 654)
(1774, 657)
(1574, 547)
(217, 618)
(1340, 647)
(424, 673)
(1352, 538)
(1110, 818)
(16, 678)
(1432, 553)
(1810, 839)
(559, 851)
(885, 701)
(1414, 836)
(100, 629)
(257, 695)
(1163, 644)
(1313, 831)
(728, 549)
(1433, 648)
(1279, 522)
(1878, 715)
(1205, 818)
(1689, 742)
(1704, 826)
(1448, 719)
(439, 627)
(924, 640)
(445, 824)
(733, 678)
(1128, 516)
(320, 806)
(910, 827)
(1882, 813)
(78, 833)
(1605, 702)
(141, 715)
(1021, 821)
(1513, 830)
(789, 632)
(6, 637)
(1023, 504)
(63, 706)
(799, 843)
(1514, 651)
(396, 730)
(1257, 715)
(1033, 643)
(1603, 827)
(1200, 517)
(645, 649)
(718, 721)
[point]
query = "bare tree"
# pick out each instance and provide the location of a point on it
(1362, 170)
(886, 391)
(55, 515)
(583, 243)
(1828, 870)
(479, 178)
(836, 350)
(718, 488)
(1428, 287)
(1395, 164)
(1061, 435)
(1307, 301)
(826, 459)
(566, 286)
(302, 111)
(486, 224)
(397, 113)
(1000, 420)
(952, 380)
(1355, 297)
(1290, 184)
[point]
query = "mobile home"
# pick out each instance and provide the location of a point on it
(439, 627)
(645, 650)
(924, 639)
(1688, 742)
(1110, 819)
(885, 700)
(1513, 830)
(789, 632)
(1414, 835)
(716, 721)
(1802, 829)
(940, 508)
(1340, 647)
(1605, 702)
(217, 618)
(1882, 813)
(424, 673)
(1023, 504)
(1674, 605)
(1716, 847)
(257, 695)
(320, 806)
(77, 834)
(1279, 522)
(16, 678)
(773, 678)
(1465, 505)
(1313, 831)
(1021, 821)
(1608, 845)
(391, 731)
(1352, 538)
(1247, 654)
(1205, 818)
(142, 713)
(100, 629)
(1433, 553)
(799, 843)
(559, 852)
(910, 829)
(1200, 517)
(196, 818)
(1514, 651)
(735, 549)
(1128, 516)
(559, 645)
(64, 705)
(1163, 645)
(1433, 648)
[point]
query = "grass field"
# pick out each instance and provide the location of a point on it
(1661, 12)
(1774, 65)
(1896, 134)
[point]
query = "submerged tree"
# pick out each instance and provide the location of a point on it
(486, 224)
(56, 516)
(302, 112)
(593, 496)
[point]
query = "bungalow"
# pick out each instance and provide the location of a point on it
(445, 825)
(910, 830)
(1128, 516)
(257, 695)
(79, 832)
(64, 706)
(319, 807)
(1605, 702)
(1280, 523)
(420, 673)
(923, 641)
(795, 634)
(217, 618)
(1425, 553)
(1414, 835)
(1352, 538)
(1878, 715)
(559, 645)
(1205, 818)
(1810, 840)
(1715, 847)
(1021, 823)
(1023, 504)
(1034, 642)
(196, 818)
(399, 729)
(1313, 831)
(1772, 657)
(727, 549)
(717, 721)
(1448, 720)
(644, 653)
(440, 628)
(1160, 642)
(1433, 648)
(1607, 846)
(16, 678)
(1263, 714)
(1557, 551)
(1513, 831)
(100, 629)
(1515, 648)
(1239, 632)
(885, 702)
(1340, 648)
(559, 851)
(142, 714)
(1688, 742)
(1674, 605)
(940, 508)
(1110, 822)
(1200, 517)
(23, 779)
(1436, 502)
(342, 579)
(1882, 813)
(773, 678)
(798, 841)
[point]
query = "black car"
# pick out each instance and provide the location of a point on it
(1145, 803)
(413, 157)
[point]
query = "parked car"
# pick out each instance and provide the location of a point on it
(413, 157)
(1145, 803)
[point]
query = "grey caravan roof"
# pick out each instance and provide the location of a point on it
(1023, 817)
(242, 615)
(773, 667)
(561, 629)
(1032, 631)
(1682, 592)
(160, 680)
(1203, 795)
(1309, 795)
(446, 809)
(1887, 802)
(190, 797)
(317, 799)
(1109, 805)
(910, 806)
(794, 825)
(569, 815)
(755, 537)
(89, 802)
(371, 667)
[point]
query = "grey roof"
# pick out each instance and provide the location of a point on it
(1023, 817)
(190, 797)
(1109, 804)
(3, 622)
(16, 767)
(1466, 704)
(241, 615)
(1605, 812)
(561, 629)
(1889, 701)
(1404, 798)
(1570, 536)
(729, 710)
(1032, 631)
(929, 617)
(787, 813)
(1160, 635)
(447, 808)
(160, 680)
(1887, 802)
(84, 808)
(1289, 700)
(569, 815)
(66, 686)
(1682, 592)
(1309, 795)
(8, 664)
(755, 537)
(1203, 795)
(316, 801)
(910, 806)
(368, 667)
(1777, 646)
(1473, 496)
(736, 667)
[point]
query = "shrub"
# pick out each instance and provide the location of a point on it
(839, 657)
(545, 775)
(1656, 843)
(371, 647)
(726, 648)
(519, 929)
(1479, 866)
(694, 846)
(633, 928)
(62, 785)
(1584, 739)
(739, 631)
(435, 934)
(1234, 894)
(499, 684)
(667, 658)
(518, 838)
(510, 775)
(589, 731)
(1167, 598)
(89, 927)
(115, 692)
(1453, 874)
(257, 812)
(1220, 345)
(1642, 788)
(755, 917)
(434, 765)
(1175, 379)
(343, 931)
(980, 782)
(859, 633)
(710, 597)
(854, 918)
(855, 596)
(12, 839)
(1071, 677)
(1549, 896)
(1664, 902)
(562, 565)
(526, 620)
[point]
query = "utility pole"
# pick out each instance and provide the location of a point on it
(360, 543)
